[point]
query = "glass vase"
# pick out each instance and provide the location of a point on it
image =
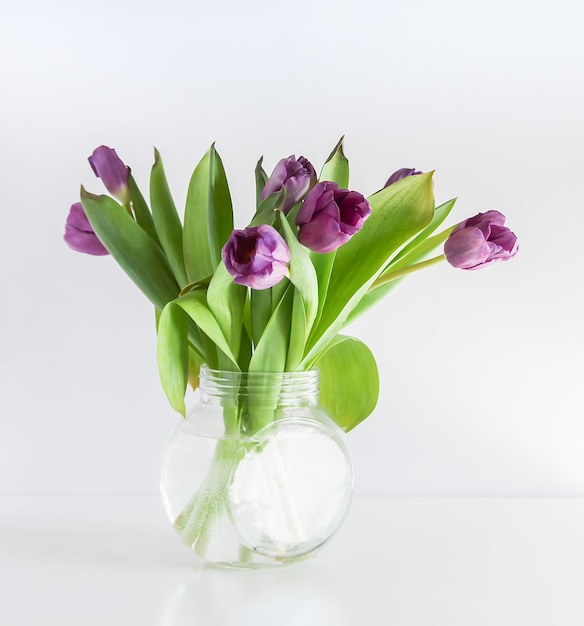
(257, 474)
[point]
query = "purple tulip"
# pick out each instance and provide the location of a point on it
(79, 235)
(296, 176)
(330, 216)
(108, 166)
(256, 257)
(404, 172)
(479, 241)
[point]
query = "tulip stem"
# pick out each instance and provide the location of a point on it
(386, 278)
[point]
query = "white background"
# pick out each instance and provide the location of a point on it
(481, 371)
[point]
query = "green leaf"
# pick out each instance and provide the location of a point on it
(260, 312)
(195, 362)
(271, 351)
(398, 213)
(261, 178)
(208, 217)
(141, 210)
(245, 350)
(226, 300)
(132, 248)
(303, 277)
(419, 253)
(194, 304)
(323, 265)
(220, 209)
(269, 357)
(173, 355)
(440, 214)
(302, 272)
(199, 284)
(210, 350)
(266, 212)
(278, 292)
(370, 298)
(166, 220)
(409, 255)
(336, 167)
(197, 253)
(349, 382)
(298, 333)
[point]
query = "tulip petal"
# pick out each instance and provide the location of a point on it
(403, 172)
(479, 241)
(504, 238)
(277, 178)
(467, 249)
(108, 166)
(77, 218)
(296, 176)
(82, 241)
(322, 234)
(330, 216)
(256, 257)
(79, 235)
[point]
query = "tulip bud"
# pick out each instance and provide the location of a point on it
(479, 241)
(256, 257)
(108, 166)
(296, 176)
(330, 216)
(404, 172)
(79, 235)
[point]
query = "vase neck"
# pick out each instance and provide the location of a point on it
(290, 388)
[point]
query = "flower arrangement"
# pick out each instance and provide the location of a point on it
(274, 296)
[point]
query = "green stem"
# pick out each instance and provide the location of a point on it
(208, 513)
(261, 403)
(386, 278)
(198, 519)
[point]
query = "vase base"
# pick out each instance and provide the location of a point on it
(260, 562)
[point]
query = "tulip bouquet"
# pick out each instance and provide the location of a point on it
(275, 295)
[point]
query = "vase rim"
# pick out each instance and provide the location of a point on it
(205, 369)
(286, 384)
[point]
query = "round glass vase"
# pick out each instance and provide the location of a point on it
(257, 474)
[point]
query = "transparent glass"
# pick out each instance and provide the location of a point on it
(257, 474)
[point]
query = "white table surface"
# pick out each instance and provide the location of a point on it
(396, 561)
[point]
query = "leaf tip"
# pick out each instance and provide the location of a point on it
(83, 193)
(337, 149)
